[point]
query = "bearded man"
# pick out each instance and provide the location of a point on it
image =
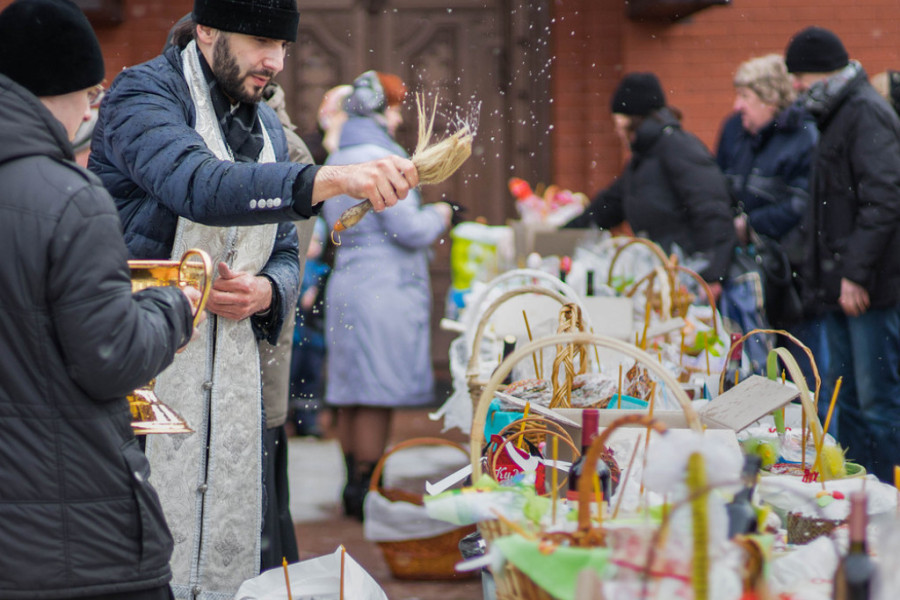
(194, 159)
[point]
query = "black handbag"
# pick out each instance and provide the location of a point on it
(782, 298)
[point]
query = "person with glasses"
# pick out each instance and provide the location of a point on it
(80, 518)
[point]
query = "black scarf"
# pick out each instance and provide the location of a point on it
(242, 130)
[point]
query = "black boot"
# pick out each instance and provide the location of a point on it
(350, 492)
(357, 488)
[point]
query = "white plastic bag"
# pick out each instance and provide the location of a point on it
(314, 579)
(389, 521)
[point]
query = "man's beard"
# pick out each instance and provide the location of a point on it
(229, 76)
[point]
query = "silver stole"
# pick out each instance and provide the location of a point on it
(213, 499)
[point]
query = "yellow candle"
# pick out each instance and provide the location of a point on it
(831, 405)
(287, 579)
(598, 495)
(708, 372)
(643, 343)
(647, 439)
(343, 552)
(596, 354)
(530, 339)
(620, 387)
(897, 485)
(554, 478)
(522, 426)
(681, 351)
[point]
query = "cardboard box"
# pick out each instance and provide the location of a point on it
(545, 239)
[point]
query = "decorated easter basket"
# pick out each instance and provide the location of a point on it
(801, 527)
(430, 558)
(512, 584)
(473, 371)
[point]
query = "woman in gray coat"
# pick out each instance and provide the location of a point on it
(378, 299)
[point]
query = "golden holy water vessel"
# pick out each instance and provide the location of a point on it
(148, 413)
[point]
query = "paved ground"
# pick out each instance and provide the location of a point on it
(317, 478)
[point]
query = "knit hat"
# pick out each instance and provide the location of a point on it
(638, 94)
(275, 19)
(373, 92)
(815, 50)
(49, 48)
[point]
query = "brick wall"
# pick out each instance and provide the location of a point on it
(142, 34)
(594, 43)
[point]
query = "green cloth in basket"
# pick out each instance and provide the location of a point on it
(556, 572)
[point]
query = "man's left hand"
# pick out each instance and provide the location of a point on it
(237, 295)
(854, 298)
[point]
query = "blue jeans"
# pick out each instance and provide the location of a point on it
(865, 350)
(740, 303)
(812, 333)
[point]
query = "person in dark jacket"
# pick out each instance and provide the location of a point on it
(852, 274)
(887, 83)
(671, 191)
(79, 515)
(765, 150)
(194, 158)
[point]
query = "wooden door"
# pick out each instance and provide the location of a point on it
(485, 59)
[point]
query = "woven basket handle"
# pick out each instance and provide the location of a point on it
(541, 422)
(671, 270)
(410, 443)
(801, 345)
(472, 369)
(657, 251)
(650, 362)
(533, 425)
(585, 482)
(566, 438)
(790, 363)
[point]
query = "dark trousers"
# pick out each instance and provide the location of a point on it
(865, 350)
(278, 539)
(160, 593)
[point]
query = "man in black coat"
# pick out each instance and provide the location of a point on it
(852, 269)
(78, 516)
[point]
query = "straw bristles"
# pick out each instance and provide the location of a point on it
(434, 163)
(437, 162)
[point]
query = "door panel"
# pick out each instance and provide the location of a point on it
(476, 56)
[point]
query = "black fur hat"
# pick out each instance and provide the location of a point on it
(276, 19)
(638, 94)
(49, 48)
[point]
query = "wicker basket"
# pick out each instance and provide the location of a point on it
(512, 584)
(473, 374)
(432, 558)
(536, 430)
(802, 529)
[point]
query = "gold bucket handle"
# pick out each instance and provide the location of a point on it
(207, 278)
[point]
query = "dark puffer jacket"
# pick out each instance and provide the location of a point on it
(854, 215)
(769, 172)
(672, 192)
(77, 514)
(157, 168)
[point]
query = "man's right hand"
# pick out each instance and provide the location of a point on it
(383, 182)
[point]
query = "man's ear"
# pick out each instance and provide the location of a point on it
(206, 34)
